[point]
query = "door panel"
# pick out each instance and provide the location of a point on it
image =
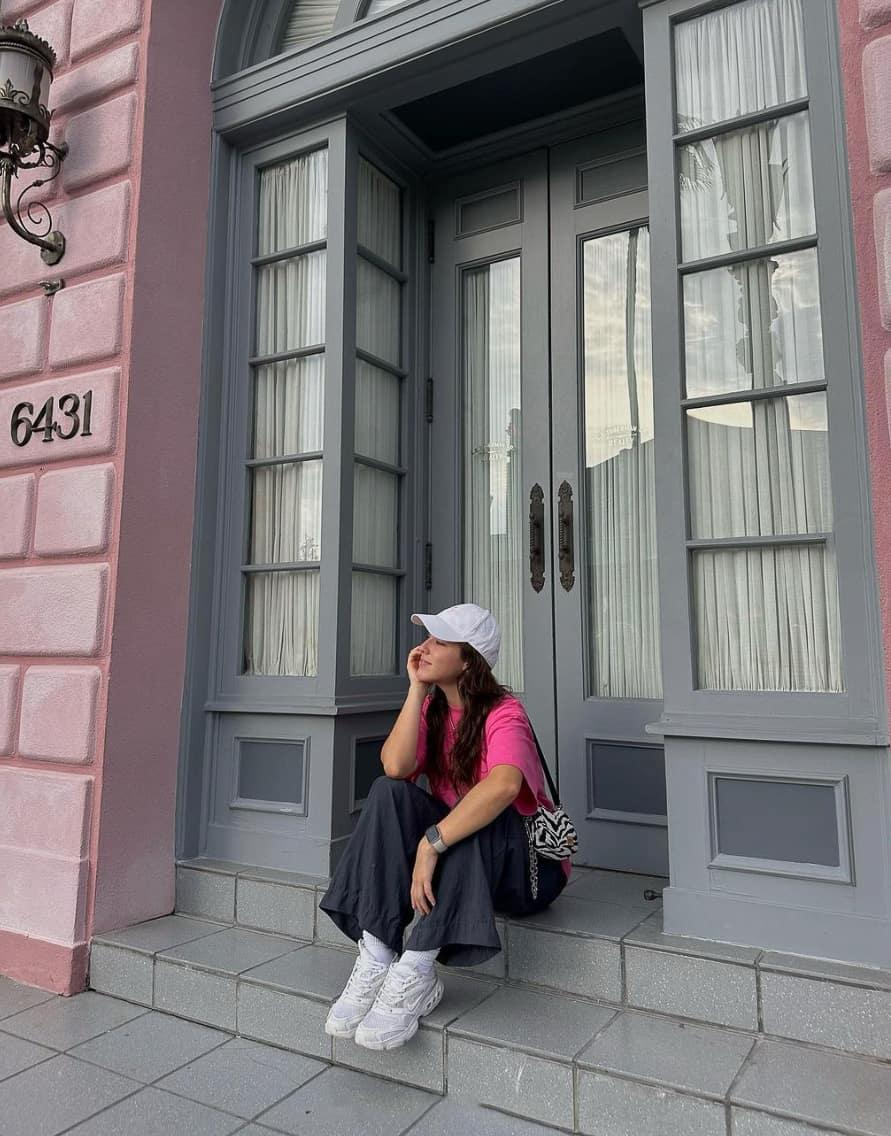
(490, 441)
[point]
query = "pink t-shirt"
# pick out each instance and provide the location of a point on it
(507, 740)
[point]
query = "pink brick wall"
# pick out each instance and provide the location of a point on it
(70, 584)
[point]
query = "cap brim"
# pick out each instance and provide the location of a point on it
(437, 627)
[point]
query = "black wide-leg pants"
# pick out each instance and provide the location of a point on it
(484, 874)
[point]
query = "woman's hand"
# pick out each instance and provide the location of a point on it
(411, 666)
(422, 878)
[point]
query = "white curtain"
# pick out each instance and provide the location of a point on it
(620, 509)
(766, 618)
(377, 429)
(375, 7)
(493, 525)
(281, 633)
(308, 21)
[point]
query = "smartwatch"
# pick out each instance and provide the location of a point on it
(435, 839)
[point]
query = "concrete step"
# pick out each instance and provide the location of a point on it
(574, 1063)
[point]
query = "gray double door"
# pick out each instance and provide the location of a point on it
(542, 465)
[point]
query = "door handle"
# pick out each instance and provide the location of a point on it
(565, 536)
(536, 537)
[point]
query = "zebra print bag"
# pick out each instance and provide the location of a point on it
(550, 832)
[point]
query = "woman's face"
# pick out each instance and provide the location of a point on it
(440, 661)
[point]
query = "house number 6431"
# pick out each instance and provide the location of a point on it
(74, 419)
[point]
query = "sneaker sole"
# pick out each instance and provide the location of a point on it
(410, 1031)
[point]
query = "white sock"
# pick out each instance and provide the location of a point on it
(377, 949)
(420, 960)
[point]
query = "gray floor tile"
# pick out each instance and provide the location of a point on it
(691, 987)
(49, 1098)
(64, 1022)
(454, 1118)
(231, 951)
(150, 1047)
(161, 934)
(296, 879)
(341, 1101)
(279, 908)
(156, 1113)
(17, 1054)
(14, 997)
(585, 917)
(419, 1062)
(681, 1056)
(649, 933)
(288, 1020)
(869, 977)
(197, 994)
(832, 1089)
(122, 973)
(623, 888)
(609, 1106)
(827, 1013)
(318, 971)
(211, 894)
(745, 1122)
(591, 967)
(461, 994)
(548, 1024)
(243, 1077)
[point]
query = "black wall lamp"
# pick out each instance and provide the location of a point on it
(26, 72)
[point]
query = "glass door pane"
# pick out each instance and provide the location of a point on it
(493, 483)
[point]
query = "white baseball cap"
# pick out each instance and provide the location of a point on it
(465, 623)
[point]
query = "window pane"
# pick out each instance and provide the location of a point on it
(375, 7)
(753, 325)
(293, 207)
(375, 517)
(291, 304)
(747, 188)
(308, 21)
(738, 59)
(620, 511)
(493, 483)
(378, 321)
(760, 468)
(380, 214)
(286, 513)
(288, 407)
(767, 619)
(373, 625)
(282, 624)
(271, 771)
(377, 413)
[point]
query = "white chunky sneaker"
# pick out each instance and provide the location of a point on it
(406, 995)
(358, 995)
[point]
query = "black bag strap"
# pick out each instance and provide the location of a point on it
(547, 771)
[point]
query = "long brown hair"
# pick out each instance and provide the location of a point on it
(479, 691)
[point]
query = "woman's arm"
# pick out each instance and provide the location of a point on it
(399, 751)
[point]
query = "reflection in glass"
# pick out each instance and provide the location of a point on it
(286, 513)
(378, 415)
(293, 203)
(378, 322)
(753, 325)
(620, 511)
(375, 516)
(373, 624)
(493, 487)
(739, 59)
(380, 214)
(282, 624)
(760, 468)
(747, 188)
(288, 407)
(291, 303)
(767, 618)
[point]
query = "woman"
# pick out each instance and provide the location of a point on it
(455, 855)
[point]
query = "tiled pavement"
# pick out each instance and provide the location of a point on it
(98, 1066)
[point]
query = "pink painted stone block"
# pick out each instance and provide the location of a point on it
(58, 720)
(73, 510)
(16, 508)
(877, 94)
(103, 418)
(101, 141)
(9, 693)
(87, 321)
(23, 335)
(96, 22)
(43, 896)
(97, 78)
(12, 9)
(874, 13)
(96, 228)
(54, 25)
(882, 221)
(49, 812)
(53, 611)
